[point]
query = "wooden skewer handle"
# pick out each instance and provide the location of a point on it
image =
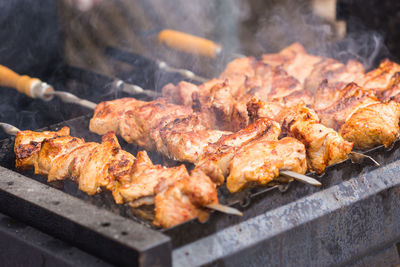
(189, 43)
(22, 83)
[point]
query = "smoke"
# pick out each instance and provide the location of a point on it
(287, 21)
(365, 47)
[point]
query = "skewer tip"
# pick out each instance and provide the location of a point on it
(224, 209)
(301, 178)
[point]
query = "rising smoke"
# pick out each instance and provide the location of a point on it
(285, 22)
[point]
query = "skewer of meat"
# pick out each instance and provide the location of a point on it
(176, 131)
(94, 166)
(324, 145)
(230, 72)
(36, 88)
(310, 71)
(359, 116)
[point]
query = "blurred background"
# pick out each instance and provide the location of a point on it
(40, 38)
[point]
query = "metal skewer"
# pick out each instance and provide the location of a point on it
(356, 157)
(149, 200)
(224, 209)
(131, 58)
(301, 177)
(115, 83)
(134, 89)
(70, 98)
(9, 129)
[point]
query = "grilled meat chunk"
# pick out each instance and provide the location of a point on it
(143, 178)
(295, 60)
(181, 94)
(379, 78)
(217, 156)
(348, 100)
(94, 173)
(28, 143)
(219, 107)
(272, 83)
(184, 139)
(53, 148)
(360, 117)
(86, 163)
(68, 165)
(135, 120)
(392, 91)
(373, 125)
(324, 145)
(260, 161)
(336, 73)
(183, 200)
(141, 125)
(260, 109)
(107, 114)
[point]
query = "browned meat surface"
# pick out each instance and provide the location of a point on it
(66, 156)
(295, 60)
(217, 156)
(259, 162)
(347, 101)
(28, 143)
(183, 200)
(272, 83)
(335, 72)
(240, 66)
(184, 139)
(327, 94)
(143, 178)
(260, 109)
(53, 148)
(94, 173)
(137, 125)
(373, 125)
(108, 114)
(392, 91)
(68, 165)
(379, 78)
(324, 145)
(181, 94)
(106, 165)
(219, 107)
(135, 120)
(237, 73)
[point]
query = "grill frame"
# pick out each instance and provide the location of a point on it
(224, 239)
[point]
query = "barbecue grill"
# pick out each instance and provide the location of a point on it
(352, 219)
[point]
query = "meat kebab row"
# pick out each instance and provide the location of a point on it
(289, 111)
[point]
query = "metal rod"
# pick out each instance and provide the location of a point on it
(301, 178)
(86, 75)
(134, 59)
(134, 89)
(70, 98)
(356, 157)
(184, 72)
(9, 129)
(224, 209)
